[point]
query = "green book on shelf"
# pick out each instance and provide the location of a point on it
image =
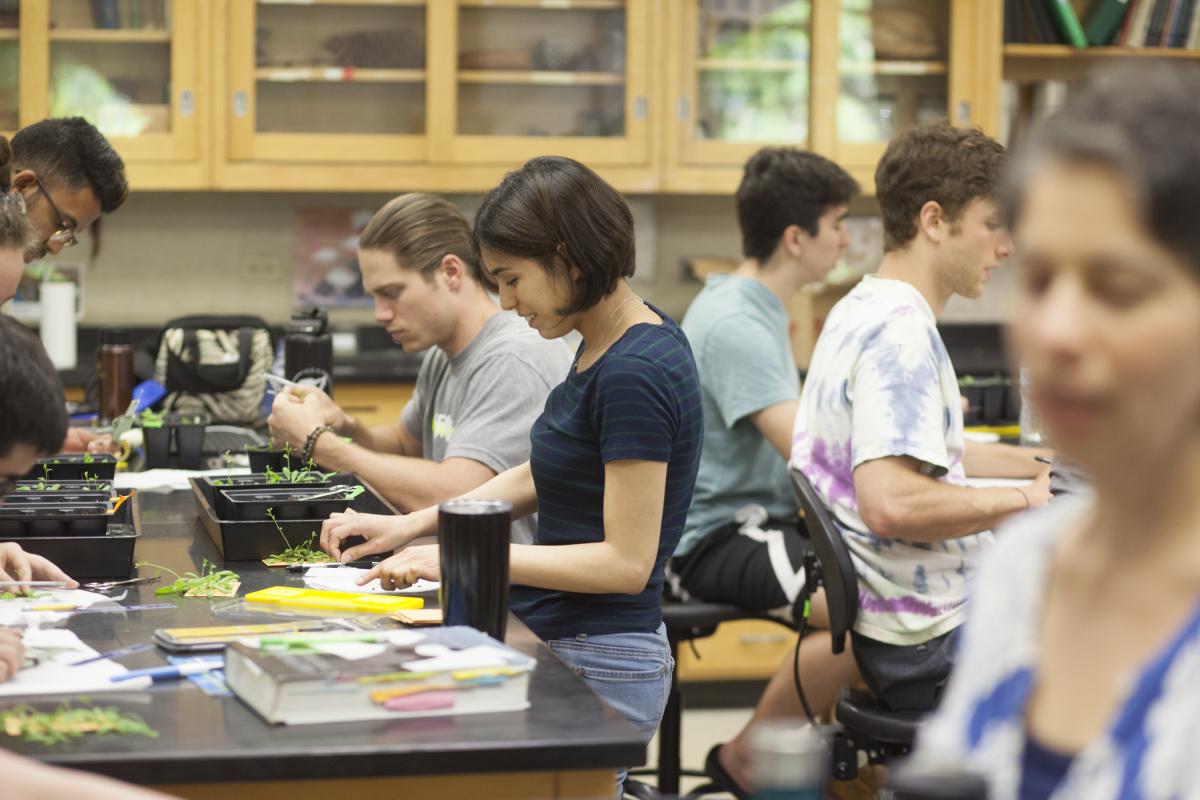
(1103, 20)
(1068, 22)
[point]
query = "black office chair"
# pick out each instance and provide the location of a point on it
(866, 726)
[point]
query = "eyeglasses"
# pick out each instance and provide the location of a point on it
(65, 235)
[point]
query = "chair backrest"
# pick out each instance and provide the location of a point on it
(837, 570)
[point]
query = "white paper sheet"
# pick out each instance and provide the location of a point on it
(344, 579)
(16, 611)
(56, 650)
(168, 479)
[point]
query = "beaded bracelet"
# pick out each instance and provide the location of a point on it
(310, 444)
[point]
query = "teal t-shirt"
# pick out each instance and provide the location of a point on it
(739, 334)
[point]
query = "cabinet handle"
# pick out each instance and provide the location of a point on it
(187, 103)
(684, 107)
(763, 638)
(240, 103)
(639, 107)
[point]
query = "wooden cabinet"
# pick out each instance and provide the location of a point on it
(138, 70)
(835, 76)
(326, 82)
(373, 403)
(742, 650)
(447, 95)
(527, 78)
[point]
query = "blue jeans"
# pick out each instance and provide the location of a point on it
(630, 671)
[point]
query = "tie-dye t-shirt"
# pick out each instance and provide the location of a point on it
(881, 384)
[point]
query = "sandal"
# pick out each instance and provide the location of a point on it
(719, 777)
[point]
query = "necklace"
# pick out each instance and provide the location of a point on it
(612, 324)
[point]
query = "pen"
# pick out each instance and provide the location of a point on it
(317, 639)
(120, 651)
(166, 673)
(1042, 459)
(279, 381)
(355, 564)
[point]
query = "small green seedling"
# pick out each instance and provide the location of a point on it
(210, 582)
(151, 419)
(66, 723)
(296, 554)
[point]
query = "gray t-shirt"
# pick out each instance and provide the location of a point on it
(481, 404)
(739, 334)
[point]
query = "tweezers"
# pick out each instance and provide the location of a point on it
(103, 586)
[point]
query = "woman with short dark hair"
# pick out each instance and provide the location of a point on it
(1078, 666)
(614, 454)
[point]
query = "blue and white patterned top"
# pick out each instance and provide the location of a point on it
(881, 384)
(1151, 746)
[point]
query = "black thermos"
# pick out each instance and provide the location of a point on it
(473, 539)
(308, 349)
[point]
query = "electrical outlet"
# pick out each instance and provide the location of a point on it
(261, 269)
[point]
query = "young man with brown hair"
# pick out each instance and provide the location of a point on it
(879, 433)
(482, 383)
(743, 542)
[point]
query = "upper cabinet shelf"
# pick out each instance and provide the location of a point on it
(143, 36)
(136, 70)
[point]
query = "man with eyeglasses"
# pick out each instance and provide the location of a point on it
(67, 174)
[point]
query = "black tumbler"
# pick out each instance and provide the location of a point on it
(473, 538)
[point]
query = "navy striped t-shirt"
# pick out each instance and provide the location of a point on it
(639, 401)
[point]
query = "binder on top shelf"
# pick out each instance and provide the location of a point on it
(1103, 19)
(106, 14)
(1127, 25)
(1155, 26)
(1068, 23)
(1181, 26)
(1043, 29)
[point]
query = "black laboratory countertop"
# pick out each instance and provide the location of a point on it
(376, 360)
(206, 739)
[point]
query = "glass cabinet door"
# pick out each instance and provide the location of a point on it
(128, 67)
(327, 80)
(895, 70)
(746, 68)
(10, 63)
(549, 76)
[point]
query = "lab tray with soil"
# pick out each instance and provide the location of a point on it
(255, 536)
(213, 486)
(75, 467)
(91, 537)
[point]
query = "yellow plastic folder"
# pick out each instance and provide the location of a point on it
(339, 601)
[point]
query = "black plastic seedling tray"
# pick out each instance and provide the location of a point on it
(252, 540)
(101, 488)
(262, 457)
(75, 466)
(285, 503)
(214, 485)
(21, 521)
(56, 498)
(108, 555)
(176, 444)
